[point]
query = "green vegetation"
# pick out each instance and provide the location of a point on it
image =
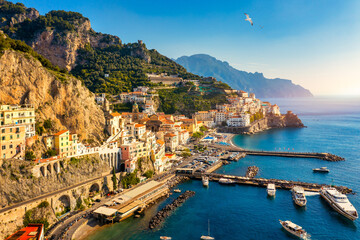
(257, 116)
(185, 101)
(8, 8)
(48, 124)
(43, 204)
(29, 155)
(130, 179)
(79, 205)
(29, 218)
(200, 148)
(74, 161)
(198, 134)
(203, 129)
(122, 107)
(50, 153)
(39, 129)
(186, 153)
(114, 180)
(148, 174)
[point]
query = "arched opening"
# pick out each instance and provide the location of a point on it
(122, 167)
(49, 168)
(95, 188)
(42, 170)
(63, 205)
(56, 167)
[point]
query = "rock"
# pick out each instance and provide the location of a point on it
(252, 171)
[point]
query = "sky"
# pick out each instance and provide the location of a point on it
(314, 43)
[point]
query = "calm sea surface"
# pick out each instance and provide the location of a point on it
(244, 212)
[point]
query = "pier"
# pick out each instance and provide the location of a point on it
(263, 182)
(323, 156)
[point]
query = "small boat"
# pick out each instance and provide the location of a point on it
(226, 181)
(321, 170)
(205, 181)
(208, 236)
(165, 238)
(339, 202)
(177, 190)
(294, 229)
(271, 189)
(298, 195)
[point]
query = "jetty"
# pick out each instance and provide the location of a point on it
(323, 156)
(263, 182)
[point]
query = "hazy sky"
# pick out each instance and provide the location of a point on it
(315, 43)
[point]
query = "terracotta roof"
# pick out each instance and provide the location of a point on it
(31, 232)
(187, 120)
(199, 122)
(161, 142)
(115, 114)
(169, 135)
(61, 132)
(139, 125)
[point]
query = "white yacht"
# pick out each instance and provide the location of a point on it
(165, 238)
(339, 202)
(271, 189)
(208, 236)
(205, 181)
(321, 170)
(298, 195)
(294, 229)
(226, 181)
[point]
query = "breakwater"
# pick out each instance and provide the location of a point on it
(166, 211)
(252, 171)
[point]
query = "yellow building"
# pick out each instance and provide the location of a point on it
(65, 143)
(12, 141)
(19, 115)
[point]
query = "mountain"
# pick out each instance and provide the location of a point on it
(102, 61)
(206, 65)
(28, 78)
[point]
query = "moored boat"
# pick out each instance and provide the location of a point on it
(208, 236)
(294, 229)
(271, 189)
(339, 202)
(177, 190)
(165, 238)
(298, 195)
(321, 170)
(205, 181)
(226, 181)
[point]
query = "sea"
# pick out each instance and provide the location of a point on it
(245, 212)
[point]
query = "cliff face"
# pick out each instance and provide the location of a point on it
(61, 48)
(23, 80)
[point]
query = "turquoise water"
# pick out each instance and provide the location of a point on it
(244, 212)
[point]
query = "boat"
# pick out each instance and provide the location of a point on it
(294, 229)
(321, 170)
(298, 195)
(226, 181)
(165, 238)
(177, 190)
(208, 236)
(271, 189)
(205, 181)
(339, 202)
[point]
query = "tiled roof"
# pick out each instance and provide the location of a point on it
(115, 114)
(139, 125)
(61, 132)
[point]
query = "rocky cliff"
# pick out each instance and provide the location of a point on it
(18, 183)
(56, 96)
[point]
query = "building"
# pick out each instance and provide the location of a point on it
(100, 98)
(164, 79)
(31, 232)
(19, 115)
(141, 89)
(243, 94)
(12, 141)
(63, 142)
(171, 142)
(242, 120)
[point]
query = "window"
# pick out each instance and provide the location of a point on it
(11, 146)
(10, 129)
(62, 144)
(3, 130)
(11, 136)
(3, 138)
(17, 136)
(3, 147)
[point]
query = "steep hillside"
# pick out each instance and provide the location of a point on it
(206, 65)
(67, 40)
(27, 78)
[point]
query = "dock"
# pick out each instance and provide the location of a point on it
(323, 156)
(263, 182)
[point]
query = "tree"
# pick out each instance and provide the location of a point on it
(203, 128)
(50, 153)
(114, 180)
(48, 124)
(29, 155)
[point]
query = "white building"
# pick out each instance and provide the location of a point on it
(242, 120)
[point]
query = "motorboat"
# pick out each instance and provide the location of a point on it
(339, 202)
(165, 238)
(226, 181)
(321, 170)
(271, 189)
(298, 195)
(295, 229)
(208, 236)
(177, 190)
(205, 181)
